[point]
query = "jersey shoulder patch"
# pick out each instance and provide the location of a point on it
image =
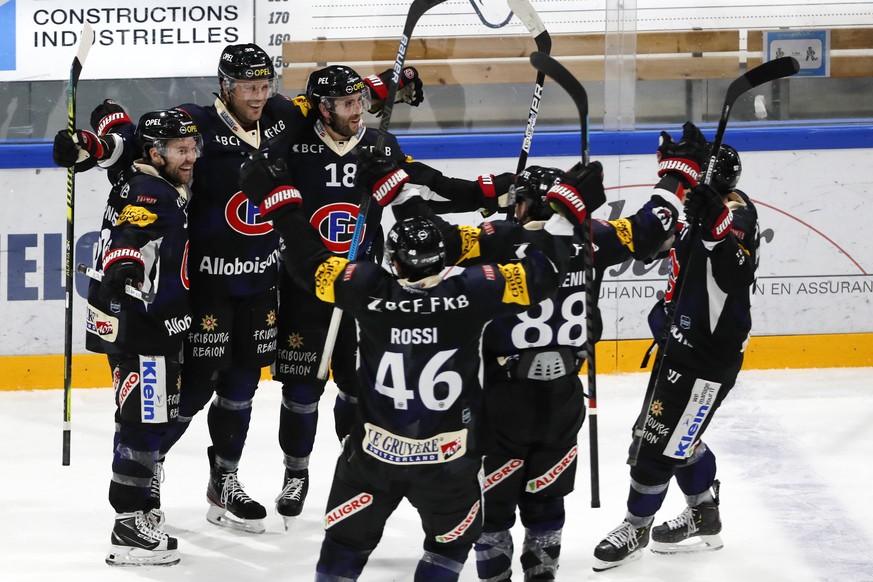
(516, 290)
(327, 273)
(302, 103)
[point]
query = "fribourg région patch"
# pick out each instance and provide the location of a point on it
(398, 450)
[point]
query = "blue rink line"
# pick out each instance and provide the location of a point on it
(549, 142)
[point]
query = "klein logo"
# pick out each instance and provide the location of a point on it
(244, 217)
(694, 424)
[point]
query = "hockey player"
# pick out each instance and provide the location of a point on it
(234, 256)
(534, 398)
(144, 243)
(417, 431)
(323, 163)
(703, 355)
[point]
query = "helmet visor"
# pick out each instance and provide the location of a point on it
(350, 104)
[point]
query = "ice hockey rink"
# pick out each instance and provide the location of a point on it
(793, 446)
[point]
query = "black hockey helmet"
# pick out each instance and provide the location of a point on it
(415, 248)
(156, 128)
(531, 185)
(246, 62)
(745, 220)
(727, 170)
(334, 81)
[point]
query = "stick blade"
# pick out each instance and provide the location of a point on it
(85, 42)
(552, 68)
(764, 73)
(533, 23)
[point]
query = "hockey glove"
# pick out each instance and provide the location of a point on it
(685, 158)
(495, 192)
(380, 176)
(579, 192)
(107, 115)
(409, 90)
(704, 204)
(121, 267)
(82, 150)
(267, 185)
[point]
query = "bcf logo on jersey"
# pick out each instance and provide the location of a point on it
(336, 225)
(244, 218)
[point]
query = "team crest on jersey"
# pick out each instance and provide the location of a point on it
(183, 271)
(244, 218)
(209, 323)
(336, 225)
(657, 408)
(295, 340)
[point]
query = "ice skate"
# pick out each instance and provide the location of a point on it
(155, 515)
(622, 545)
(136, 542)
(229, 505)
(290, 501)
(695, 530)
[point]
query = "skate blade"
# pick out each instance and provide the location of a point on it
(223, 518)
(600, 565)
(689, 546)
(289, 521)
(126, 557)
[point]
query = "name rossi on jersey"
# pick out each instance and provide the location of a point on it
(398, 450)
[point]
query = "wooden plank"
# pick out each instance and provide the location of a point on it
(841, 39)
(520, 71)
(842, 66)
(503, 46)
(691, 41)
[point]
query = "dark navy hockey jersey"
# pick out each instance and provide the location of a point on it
(419, 347)
(146, 213)
(560, 319)
(712, 318)
(233, 251)
(325, 176)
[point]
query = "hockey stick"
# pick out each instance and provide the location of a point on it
(85, 42)
(416, 11)
(769, 71)
(144, 296)
(549, 66)
(531, 20)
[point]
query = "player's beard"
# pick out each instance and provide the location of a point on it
(344, 127)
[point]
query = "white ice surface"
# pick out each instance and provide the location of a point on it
(794, 454)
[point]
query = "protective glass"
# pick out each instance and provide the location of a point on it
(262, 89)
(179, 148)
(350, 105)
